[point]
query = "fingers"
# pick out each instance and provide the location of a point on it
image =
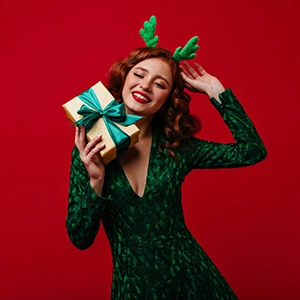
(185, 73)
(93, 155)
(188, 81)
(92, 145)
(80, 138)
(200, 69)
(192, 71)
(87, 150)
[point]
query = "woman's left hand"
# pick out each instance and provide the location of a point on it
(200, 81)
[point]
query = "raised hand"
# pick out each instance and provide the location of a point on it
(198, 80)
(89, 154)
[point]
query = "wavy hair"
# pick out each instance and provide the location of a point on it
(174, 118)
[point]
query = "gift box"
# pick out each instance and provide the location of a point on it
(100, 113)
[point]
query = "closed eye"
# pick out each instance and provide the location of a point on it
(161, 86)
(138, 75)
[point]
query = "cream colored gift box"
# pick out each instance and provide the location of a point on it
(104, 97)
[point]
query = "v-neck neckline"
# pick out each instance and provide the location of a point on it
(152, 146)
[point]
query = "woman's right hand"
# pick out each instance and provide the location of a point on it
(198, 80)
(89, 154)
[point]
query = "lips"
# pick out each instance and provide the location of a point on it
(141, 97)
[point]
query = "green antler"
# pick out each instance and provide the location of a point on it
(147, 33)
(188, 52)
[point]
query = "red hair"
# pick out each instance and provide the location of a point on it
(174, 117)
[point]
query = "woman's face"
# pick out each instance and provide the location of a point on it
(147, 87)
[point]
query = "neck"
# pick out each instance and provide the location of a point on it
(144, 125)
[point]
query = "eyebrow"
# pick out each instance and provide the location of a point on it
(158, 76)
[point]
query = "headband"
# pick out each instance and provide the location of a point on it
(188, 51)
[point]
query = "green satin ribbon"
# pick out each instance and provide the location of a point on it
(113, 113)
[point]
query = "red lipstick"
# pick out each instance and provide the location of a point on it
(141, 97)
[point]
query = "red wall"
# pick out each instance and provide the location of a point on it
(246, 219)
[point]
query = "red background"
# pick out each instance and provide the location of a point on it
(246, 219)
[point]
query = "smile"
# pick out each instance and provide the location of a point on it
(140, 97)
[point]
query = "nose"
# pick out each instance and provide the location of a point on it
(145, 85)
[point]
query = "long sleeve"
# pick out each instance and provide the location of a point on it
(247, 149)
(85, 207)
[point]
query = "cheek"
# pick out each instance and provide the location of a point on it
(163, 97)
(128, 84)
(125, 88)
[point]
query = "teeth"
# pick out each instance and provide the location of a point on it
(141, 97)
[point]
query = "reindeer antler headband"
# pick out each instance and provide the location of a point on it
(188, 51)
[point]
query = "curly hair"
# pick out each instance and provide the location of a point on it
(174, 117)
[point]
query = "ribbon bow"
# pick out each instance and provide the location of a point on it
(113, 113)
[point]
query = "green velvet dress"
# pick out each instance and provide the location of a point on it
(154, 254)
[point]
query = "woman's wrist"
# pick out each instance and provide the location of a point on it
(214, 90)
(97, 186)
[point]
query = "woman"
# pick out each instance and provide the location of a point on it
(138, 195)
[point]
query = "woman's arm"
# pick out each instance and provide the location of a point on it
(86, 205)
(248, 148)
